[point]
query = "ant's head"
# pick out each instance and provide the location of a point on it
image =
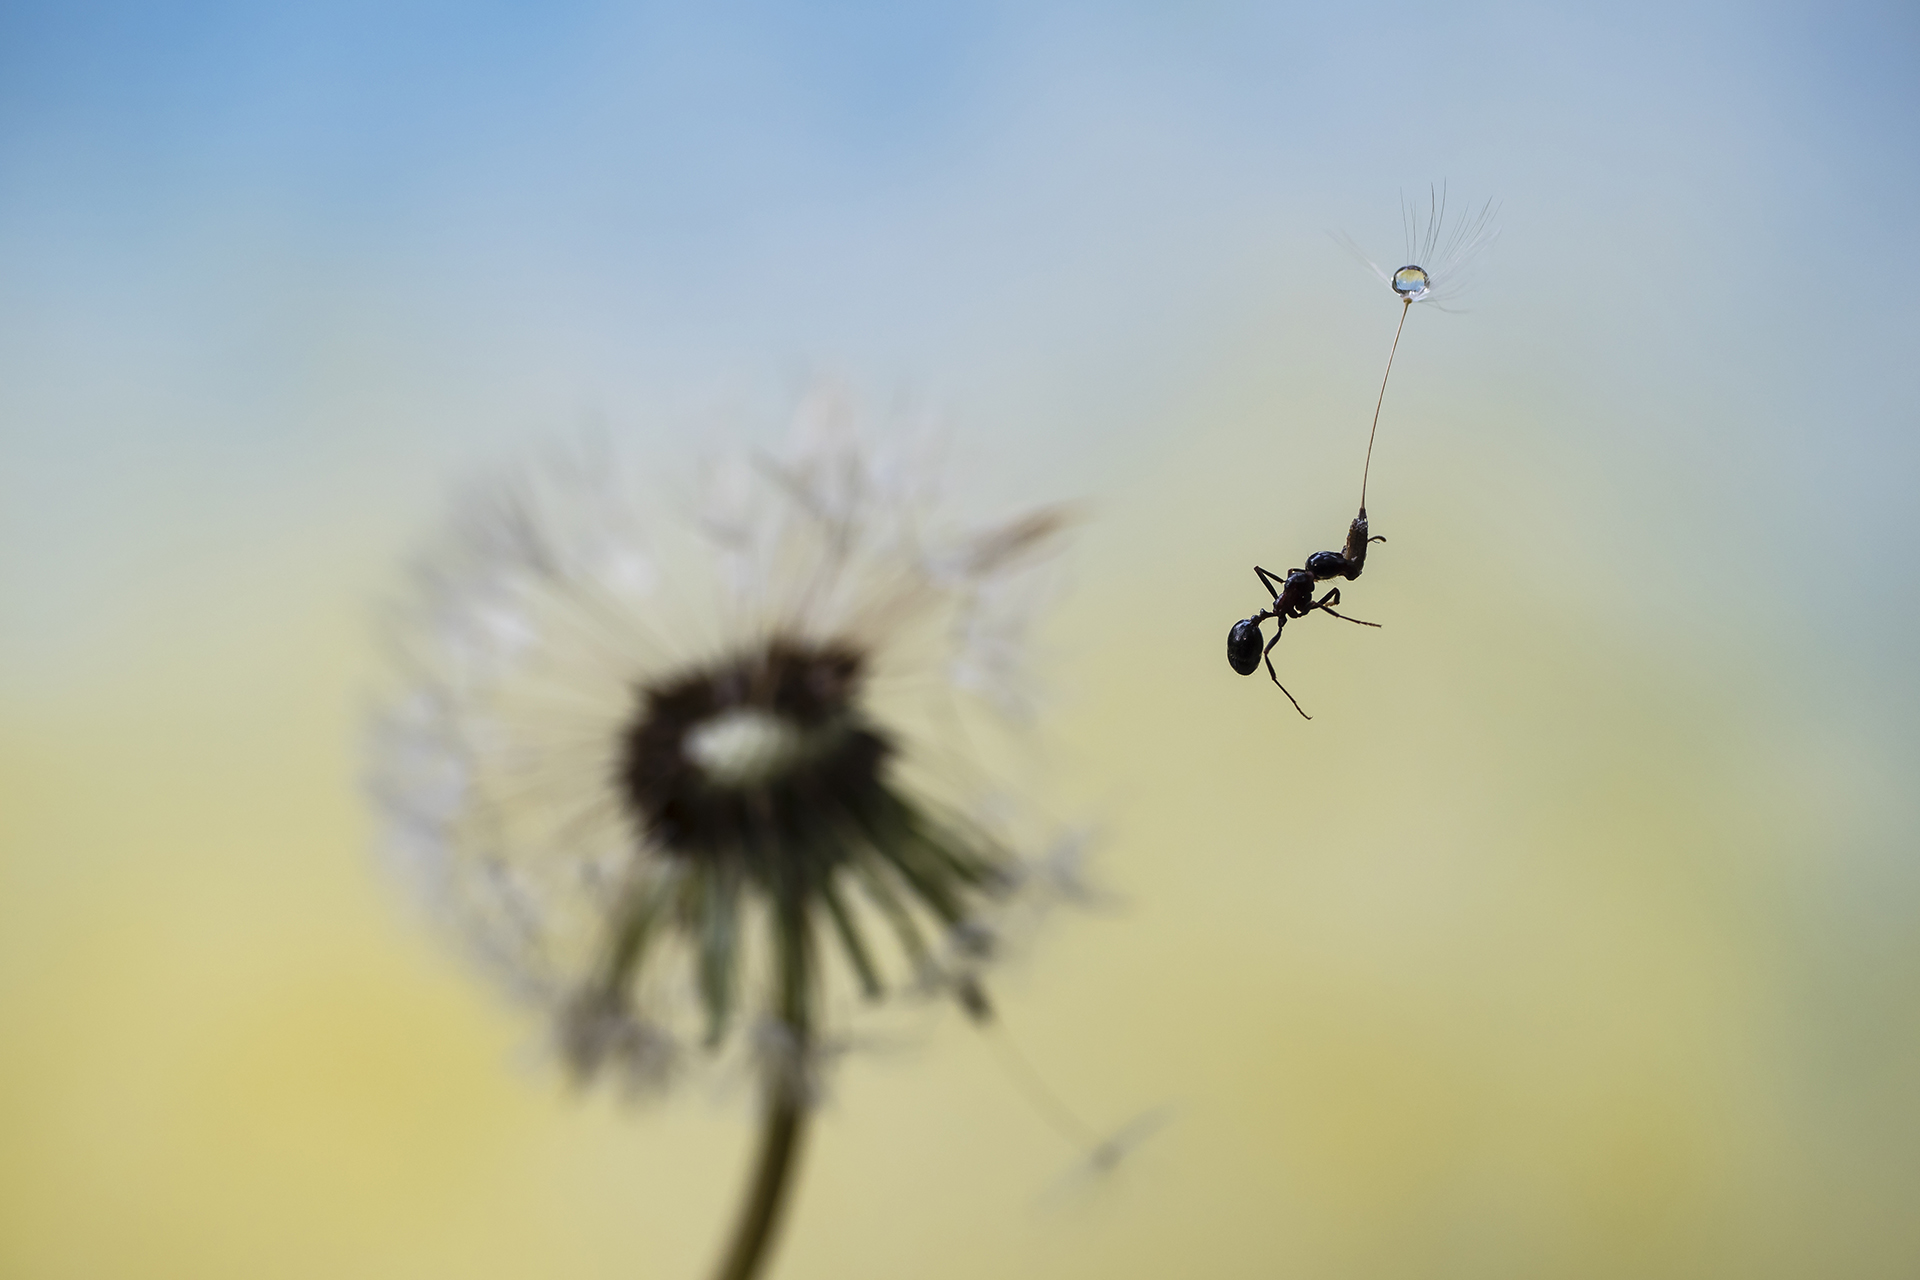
(1244, 645)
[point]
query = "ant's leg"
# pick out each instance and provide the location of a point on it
(1264, 653)
(1267, 579)
(1303, 607)
(1332, 598)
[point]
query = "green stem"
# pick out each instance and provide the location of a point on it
(783, 1125)
(782, 1130)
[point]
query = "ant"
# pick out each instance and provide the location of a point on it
(1294, 599)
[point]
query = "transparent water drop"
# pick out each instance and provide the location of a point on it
(1411, 282)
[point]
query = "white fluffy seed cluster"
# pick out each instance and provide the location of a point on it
(558, 594)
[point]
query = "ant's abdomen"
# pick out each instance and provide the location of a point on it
(1243, 646)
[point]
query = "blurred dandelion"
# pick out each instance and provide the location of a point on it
(677, 782)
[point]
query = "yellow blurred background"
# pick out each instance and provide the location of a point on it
(1575, 936)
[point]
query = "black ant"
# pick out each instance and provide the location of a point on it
(1294, 599)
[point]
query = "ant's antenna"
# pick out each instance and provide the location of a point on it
(1406, 304)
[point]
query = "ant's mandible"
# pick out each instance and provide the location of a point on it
(1294, 599)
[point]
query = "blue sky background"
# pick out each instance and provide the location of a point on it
(216, 216)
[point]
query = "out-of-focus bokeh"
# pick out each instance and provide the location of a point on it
(1579, 933)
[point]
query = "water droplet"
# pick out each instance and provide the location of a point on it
(1411, 282)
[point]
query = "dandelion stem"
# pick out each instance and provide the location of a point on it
(783, 1125)
(1406, 304)
(781, 1134)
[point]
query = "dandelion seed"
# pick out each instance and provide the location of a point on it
(1442, 244)
(1103, 1160)
(662, 778)
(1440, 249)
(1439, 252)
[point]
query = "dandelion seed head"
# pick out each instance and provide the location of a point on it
(752, 758)
(661, 765)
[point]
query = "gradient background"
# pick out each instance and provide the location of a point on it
(1578, 935)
